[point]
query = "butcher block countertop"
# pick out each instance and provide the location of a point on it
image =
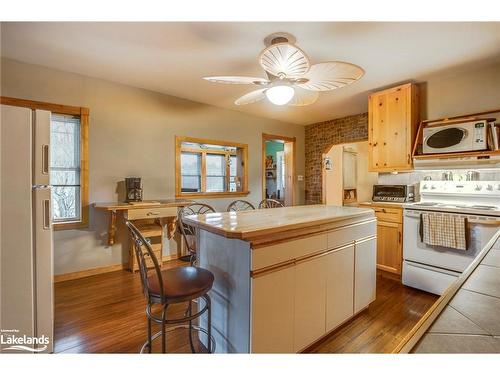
(248, 225)
(465, 319)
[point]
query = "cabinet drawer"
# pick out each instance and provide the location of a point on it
(274, 254)
(350, 233)
(150, 213)
(394, 215)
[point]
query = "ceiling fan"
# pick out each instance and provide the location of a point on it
(291, 79)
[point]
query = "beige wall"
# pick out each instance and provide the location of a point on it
(132, 133)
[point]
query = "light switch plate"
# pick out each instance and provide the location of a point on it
(300, 177)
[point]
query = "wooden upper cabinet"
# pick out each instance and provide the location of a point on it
(392, 125)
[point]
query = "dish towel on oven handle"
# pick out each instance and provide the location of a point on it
(443, 229)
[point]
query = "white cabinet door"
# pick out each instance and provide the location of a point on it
(310, 293)
(273, 312)
(339, 286)
(365, 273)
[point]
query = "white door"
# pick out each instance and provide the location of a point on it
(17, 299)
(44, 265)
(41, 148)
(365, 273)
(273, 311)
(339, 286)
(310, 292)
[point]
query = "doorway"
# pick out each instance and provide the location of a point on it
(278, 168)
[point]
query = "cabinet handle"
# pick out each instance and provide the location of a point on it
(408, 158)
(400, 236)
(375, 144)
(379, 210)
(151, 213)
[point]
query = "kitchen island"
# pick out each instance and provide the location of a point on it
(286, 277)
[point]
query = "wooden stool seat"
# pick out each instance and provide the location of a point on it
(181, 284)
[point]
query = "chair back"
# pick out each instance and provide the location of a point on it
(143, 252)
(240, 205)
(189, 232)
(270, 203)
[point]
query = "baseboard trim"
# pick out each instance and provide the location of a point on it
(100, 270)
(90, 272)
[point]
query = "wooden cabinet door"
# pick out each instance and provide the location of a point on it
(339, 286)
(365, 273)
(310, 292)
(392, 118)
(389, 246)
(273, 305)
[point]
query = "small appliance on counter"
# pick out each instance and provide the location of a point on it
(133, 188)
(393, 193)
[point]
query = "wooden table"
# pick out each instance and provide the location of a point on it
(165, 209)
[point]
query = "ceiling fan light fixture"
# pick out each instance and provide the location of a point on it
(280, 94)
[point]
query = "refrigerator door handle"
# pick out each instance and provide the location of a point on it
(46, 214)
(45, 159)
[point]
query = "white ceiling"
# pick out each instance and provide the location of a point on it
(171, 58)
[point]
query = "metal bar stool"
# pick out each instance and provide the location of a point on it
(240, 205)
(188, 232)
(171, 286)
(270, 203)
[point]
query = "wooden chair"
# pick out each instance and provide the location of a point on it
(240, 205)
(270, 203)
(171, 286)
(188, 232)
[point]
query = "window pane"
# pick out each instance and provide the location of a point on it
(190, 172)
(65, 167)
(65, 141)
(216, 172)
(215, 184)
(65, 203)
(64, 177)
(233, 166)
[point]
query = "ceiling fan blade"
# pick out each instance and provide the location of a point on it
(331, 75)
(236, 80)
(303, 97)
(284, 58)
(251, 97)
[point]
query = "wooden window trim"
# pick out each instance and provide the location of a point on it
(83, 113)
(244, 147)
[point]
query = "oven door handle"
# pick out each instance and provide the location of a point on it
(484, 222)
(421, 228)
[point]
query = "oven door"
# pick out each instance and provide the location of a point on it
(451, 138)
(414, 250)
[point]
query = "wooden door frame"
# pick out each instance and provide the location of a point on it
(274, 137)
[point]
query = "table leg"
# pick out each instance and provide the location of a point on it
(112, 227)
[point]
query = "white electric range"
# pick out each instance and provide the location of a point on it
(433, 268)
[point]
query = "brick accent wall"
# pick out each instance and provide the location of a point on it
(319, 138)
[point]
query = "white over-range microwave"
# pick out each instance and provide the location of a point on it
(462, 137)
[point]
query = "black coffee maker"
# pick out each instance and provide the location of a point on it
(133, 189)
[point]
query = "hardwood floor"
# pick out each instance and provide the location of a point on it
(106, 314)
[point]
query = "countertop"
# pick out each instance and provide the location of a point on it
(383, 204)
(249, 224)
(465, 319)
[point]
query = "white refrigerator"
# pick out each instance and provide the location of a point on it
(26, 278)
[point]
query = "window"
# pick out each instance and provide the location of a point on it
(68, 161)
(210, 168)
(65, 168)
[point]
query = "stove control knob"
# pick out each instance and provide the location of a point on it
(478, 187)
(433, 187)
(425, 187)
(489, 187)
(498, 187)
